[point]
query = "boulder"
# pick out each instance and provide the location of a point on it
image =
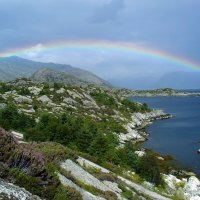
(10, 191)
(22, 99)
(192, 185)
(35, 90)
(140, 153)
(60, 91)
(90, 104)
(70, 101)
(44, 99)
(75, 94)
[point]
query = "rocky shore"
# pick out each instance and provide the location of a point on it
(136, 127)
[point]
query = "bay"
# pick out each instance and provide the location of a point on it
(178, 136)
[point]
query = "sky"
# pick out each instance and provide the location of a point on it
(167, 25)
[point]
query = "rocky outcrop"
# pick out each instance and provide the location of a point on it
(22, 99)
(90, 104)
(70, 101)
(83, 175)
(138, 122)
(10, 191)
(188, 189)
(141, 191)
(35, 90)
(44, 99)
(89, 164)
(85, 194)
(192, 188)
(60, 91)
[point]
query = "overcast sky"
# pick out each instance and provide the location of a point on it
(166, 25)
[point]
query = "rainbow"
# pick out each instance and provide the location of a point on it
(98, 45)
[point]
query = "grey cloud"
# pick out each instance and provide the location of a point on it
(170, 26)
(108, 11)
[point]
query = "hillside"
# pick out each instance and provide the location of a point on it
(53, 76)
(15, 67)
(69, 142)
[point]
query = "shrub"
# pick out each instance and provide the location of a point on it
(35, 185)
(53, 151)
(107, 177)
(67, 193)
(24, 91)
(135, 107)
(104, 99)
(10, 118)
(110, 195)
(148, 168)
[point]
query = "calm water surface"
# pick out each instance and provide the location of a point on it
(180, 135)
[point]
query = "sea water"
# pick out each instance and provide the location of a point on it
(180, 135)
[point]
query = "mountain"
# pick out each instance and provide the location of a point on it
(176, 80)
(142, 82)
(14, 67)
(52, 76)
(179, 80)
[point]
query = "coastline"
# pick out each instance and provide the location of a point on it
(126, 93)
(139, 121)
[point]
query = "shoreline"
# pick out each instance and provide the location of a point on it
(177, 167)
(185, 94)
(166, 92)
(136, 127)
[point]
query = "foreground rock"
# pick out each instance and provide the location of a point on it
(10, 191)
(131, 185)
(85, 194)
(83, 175)
(187, 189)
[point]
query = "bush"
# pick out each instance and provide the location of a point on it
(107, 177)
(67, 193)
(104, 99)
(110, 195)
(34, 184)
(136, 107)
(24, 91)
(53, 151)
(148, 168)
(10, 118)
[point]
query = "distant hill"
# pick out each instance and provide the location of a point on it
(14, 67)
(176, 80)
(180, 80)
